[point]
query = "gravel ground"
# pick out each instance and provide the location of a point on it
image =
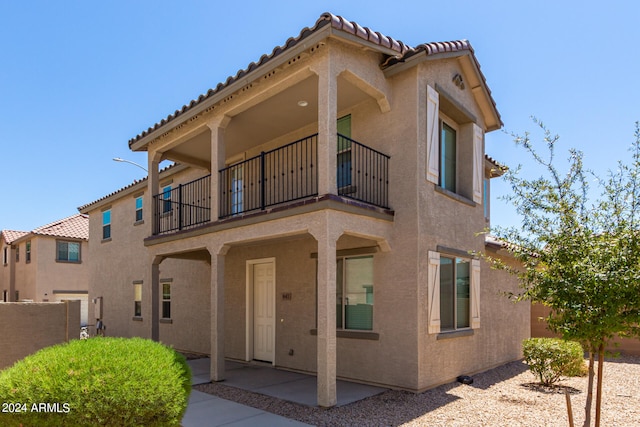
(505, 396)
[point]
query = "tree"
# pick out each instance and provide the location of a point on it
(580, 257)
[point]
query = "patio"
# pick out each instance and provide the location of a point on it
(286, 385)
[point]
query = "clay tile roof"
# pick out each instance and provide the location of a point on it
(336, 22)
(443, 47)
(499, 167)
(73, 227)
(137, 181)
(11, 236)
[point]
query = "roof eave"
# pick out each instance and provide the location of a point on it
(423, 56)
(140, 185)
(275, 62)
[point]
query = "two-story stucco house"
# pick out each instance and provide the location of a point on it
(47, 263)
(321, 217)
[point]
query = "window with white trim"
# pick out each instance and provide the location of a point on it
(166, 300)
(453, 293)
(455, 149)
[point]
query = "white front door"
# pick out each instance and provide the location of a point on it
(264, 322)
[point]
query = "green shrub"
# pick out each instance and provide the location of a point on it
(551, 358)
(99, 381)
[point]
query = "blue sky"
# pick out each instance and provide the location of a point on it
(78, 79)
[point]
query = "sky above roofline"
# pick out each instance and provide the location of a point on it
(79, 79)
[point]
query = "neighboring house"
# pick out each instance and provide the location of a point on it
(321, 218)
(539, 329)
(47, 264)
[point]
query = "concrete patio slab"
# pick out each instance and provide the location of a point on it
(291, 386)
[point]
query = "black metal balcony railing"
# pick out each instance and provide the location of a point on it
(281, 175)
(183, 207)
(363, 173)
(278, 176)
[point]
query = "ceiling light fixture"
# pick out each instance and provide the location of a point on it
(302, 103)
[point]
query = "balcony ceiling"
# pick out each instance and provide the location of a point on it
(277, 116)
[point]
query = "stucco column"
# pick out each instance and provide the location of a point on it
(327, 125)
(153, 188)
(217, 312)
(217, 126)
(326, 235)
(155, 298)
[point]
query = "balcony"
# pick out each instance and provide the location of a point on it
(283, 175)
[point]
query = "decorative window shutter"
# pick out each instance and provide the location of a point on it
(433, 139)
(475, 293)
(478, 163)
(433, 288)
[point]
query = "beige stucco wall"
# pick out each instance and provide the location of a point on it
(123, 260)
(28, 327)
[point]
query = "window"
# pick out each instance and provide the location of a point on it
(5, 256)
(344, 152)
(27, 257)
(138, 208)
(453, 293)
(17, 253)
(166, 300)
(237, 188)
(106, 224)
(485, 197)
(454, 148)
(166, 197)
(137, 299)
(354, 293)
(68, 251)
(448, 157)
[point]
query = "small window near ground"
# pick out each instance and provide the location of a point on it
(166, 300)
(137, 300)
(68, 251)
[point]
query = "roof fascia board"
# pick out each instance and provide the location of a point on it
(423, 57)
(270, 65)
(419, 58)
(24, 238)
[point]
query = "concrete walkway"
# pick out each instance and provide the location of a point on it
(208, 410)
